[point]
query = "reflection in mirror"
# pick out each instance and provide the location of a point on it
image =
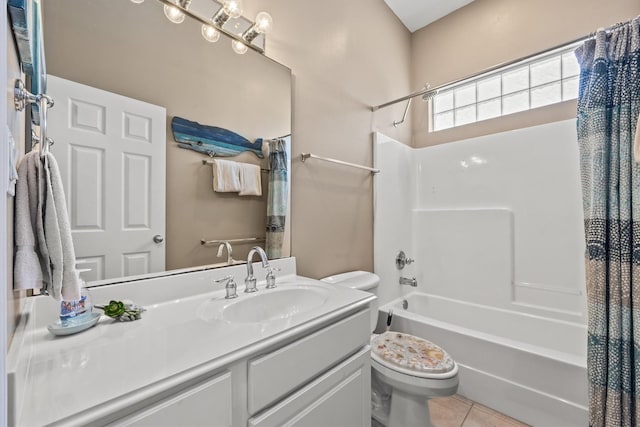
(119, 72)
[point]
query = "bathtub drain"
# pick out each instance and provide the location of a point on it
(405, 304)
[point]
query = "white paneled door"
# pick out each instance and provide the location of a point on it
(111, 153)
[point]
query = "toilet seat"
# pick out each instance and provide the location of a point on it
(411, 355)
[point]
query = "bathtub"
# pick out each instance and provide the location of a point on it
(529, 367)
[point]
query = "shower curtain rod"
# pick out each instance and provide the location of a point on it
(433, 90)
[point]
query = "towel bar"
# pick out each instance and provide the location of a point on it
(246, 240)
(210, 162)
(305, 156)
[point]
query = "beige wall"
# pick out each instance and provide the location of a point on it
(15, 121)
(345, 57)
(489, 32)
(133, 50)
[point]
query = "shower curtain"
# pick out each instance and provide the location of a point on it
(277, 198)
(608, 108)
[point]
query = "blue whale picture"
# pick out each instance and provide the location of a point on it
(212, 140)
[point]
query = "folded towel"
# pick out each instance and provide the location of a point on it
(636, 143)
(27, 271)
(226, 176)
(250, 183)
(65, 280)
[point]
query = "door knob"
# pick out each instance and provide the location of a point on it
(158, 238)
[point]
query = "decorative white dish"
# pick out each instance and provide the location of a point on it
(73, 326)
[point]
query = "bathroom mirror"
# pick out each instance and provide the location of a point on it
(133, 51)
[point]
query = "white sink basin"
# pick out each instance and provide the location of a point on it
(266, 304)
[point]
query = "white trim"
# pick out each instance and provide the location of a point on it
(3, 219)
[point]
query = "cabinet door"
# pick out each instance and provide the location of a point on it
(205, 404)
(339, 398)
(271, 376)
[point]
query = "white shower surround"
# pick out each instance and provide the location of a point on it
(492, 222)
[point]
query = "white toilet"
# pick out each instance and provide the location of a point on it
(406, 370)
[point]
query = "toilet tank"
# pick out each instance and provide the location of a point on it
(363, 281)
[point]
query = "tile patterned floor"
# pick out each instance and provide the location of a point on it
(457, 411)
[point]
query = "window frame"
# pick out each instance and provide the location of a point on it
(568, 77)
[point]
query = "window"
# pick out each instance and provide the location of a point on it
(534, 82)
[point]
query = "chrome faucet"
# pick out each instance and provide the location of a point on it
(229, 286)
(411, 282)
(250, 280)
(221, 248)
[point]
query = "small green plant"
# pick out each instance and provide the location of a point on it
(123, 312)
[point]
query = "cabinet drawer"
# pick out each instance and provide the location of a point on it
(205, 404)
(279, 373)
(340, 397)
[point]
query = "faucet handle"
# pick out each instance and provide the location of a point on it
(224, 280)
(230, 286)
(271, 277)
(402, 260)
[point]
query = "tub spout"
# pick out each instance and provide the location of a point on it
(411, 282)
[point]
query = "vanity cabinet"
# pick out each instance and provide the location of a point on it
(319, 379)
(205, 404)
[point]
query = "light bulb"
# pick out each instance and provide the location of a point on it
(137, 1)
(233, 8)
(210, 34)
(239, 47)
(264, 22)
(173, 14)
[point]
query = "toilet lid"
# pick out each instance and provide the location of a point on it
(397, 349)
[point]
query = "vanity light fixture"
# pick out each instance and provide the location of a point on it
(137, 1)
(177, 10)
(210, 33)
(175, 14)
(263, 24)
(239, 47)
(230, 9)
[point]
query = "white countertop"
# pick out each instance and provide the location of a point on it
(52, 378)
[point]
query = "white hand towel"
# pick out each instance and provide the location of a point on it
(250, 181)
(65, 281)
(13, 173)
(226, 176)
(27, 271)
(636, 143)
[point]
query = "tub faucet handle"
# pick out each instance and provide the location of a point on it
(402, 260)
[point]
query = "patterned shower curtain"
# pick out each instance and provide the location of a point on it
(277, 198)
(608, 108)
